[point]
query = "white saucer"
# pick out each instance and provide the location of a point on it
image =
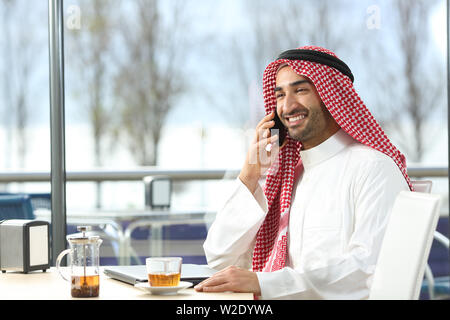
(163, 290)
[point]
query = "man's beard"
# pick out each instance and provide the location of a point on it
(311, 128)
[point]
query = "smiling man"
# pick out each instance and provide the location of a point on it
(308, 223)
(301, 110)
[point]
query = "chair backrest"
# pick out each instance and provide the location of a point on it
(406, 246)
(16, 207)
(422, 185)
(38, 200)
(41, 200)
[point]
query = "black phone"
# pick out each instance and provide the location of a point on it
(281, 129)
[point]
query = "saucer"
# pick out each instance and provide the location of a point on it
(163, 290)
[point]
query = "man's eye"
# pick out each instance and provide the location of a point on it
(300, 90)
(279, 95)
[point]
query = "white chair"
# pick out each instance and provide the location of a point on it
(425, 186)
(406, 246)
(422, 185)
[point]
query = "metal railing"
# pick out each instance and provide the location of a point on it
(100, 175)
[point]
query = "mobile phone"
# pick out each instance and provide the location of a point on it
(281, 129)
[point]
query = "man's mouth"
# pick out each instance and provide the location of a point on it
(296, 119)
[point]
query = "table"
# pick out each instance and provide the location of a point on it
(49, 285)
(156, 219)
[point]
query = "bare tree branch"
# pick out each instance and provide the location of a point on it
(151, 76)
(88, 54)
(412, 92)
(20, 48)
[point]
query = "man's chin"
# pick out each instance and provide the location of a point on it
(296, 134)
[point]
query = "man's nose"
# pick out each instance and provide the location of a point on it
(289, 103)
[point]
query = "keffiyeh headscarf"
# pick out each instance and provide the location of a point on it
(334, 83)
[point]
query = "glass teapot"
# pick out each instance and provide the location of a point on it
(84, 262)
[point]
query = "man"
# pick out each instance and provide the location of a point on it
(314, 229)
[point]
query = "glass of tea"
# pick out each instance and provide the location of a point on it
(164, 271)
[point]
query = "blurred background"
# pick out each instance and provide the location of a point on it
(177, 85)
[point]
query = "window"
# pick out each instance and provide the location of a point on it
(176, 85)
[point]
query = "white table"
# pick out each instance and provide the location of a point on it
(49, 285)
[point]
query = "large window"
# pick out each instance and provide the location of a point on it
(177, 85)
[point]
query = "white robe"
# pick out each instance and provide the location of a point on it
(339, 211)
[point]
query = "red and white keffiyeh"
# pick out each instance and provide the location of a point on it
(339, 96)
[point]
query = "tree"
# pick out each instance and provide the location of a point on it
(151, 75)
(411, 85)
(424, 89)
(21, 49)
(89, 57)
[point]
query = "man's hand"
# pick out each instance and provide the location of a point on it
(258, 159)
(231, 279)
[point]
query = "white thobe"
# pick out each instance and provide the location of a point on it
(339, 211)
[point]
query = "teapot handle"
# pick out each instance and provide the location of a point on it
(58, 263)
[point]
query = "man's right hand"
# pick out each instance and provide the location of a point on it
(258, 159)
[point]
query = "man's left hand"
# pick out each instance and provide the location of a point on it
(231, 279)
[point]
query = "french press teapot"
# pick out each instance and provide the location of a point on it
(84, 261)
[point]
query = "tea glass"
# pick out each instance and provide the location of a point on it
(164, 271)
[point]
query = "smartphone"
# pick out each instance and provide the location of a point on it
(281, 129)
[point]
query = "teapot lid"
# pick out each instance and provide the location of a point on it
(82, 237)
